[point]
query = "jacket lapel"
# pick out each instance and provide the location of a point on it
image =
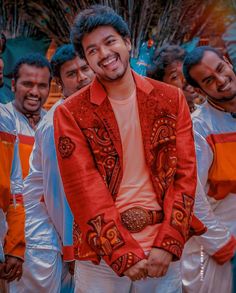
(106, 115)
(146, 107)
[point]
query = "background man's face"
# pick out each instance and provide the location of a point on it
(215, 77)
(174, 74)
(1, 71)
(31, 88)
(75, 74)
(107, 53)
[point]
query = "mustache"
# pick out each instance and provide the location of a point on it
(82, 84)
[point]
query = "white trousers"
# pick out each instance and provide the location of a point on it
(201, 274)
(90, 278)
(43, 272)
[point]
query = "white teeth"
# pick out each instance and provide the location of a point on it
(225, 87)
(109, 61)
(33, 99)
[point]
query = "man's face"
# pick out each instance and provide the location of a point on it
(215, 77)
(75, 74)
(1, 71)
(174, 74)
(107, 53)
(31, 88)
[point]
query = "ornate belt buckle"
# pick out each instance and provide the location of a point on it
(135, 219)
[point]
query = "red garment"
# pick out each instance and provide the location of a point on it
(89, 154)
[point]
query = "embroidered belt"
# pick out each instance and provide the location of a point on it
(136, 219)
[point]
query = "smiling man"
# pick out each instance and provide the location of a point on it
(168, 67)
(47, 211)
(70, 71)
(31, 85)
(215, 137)
(127, 161)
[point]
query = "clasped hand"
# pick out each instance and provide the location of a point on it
(11, 269)
(156, 265)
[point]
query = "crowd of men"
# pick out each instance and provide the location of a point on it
(128, 183)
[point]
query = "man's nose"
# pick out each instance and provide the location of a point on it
(34, 90)
(220, 79)
(81, 76)
(104, 51)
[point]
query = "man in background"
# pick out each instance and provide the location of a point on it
(168, 67)
(31, 84)
(206, 259)
(12, 214)
(47, 211)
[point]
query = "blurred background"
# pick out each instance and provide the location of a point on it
(41, 26)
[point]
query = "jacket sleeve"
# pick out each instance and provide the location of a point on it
(179, 197)
(15, 213)
(89, 198)
(217, 236)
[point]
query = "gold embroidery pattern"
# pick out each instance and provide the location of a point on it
(106, 156)
(163, 148)
(66, 146)
(181, 215)
(173, 246)
(124, 262)
(77, 238)
(104, 238)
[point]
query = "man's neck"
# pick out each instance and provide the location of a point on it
(121, 89)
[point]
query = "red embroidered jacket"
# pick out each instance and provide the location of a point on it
(89, 154)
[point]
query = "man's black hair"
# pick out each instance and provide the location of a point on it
(93, 17)
(63, 54)
(164, 57)
(33, 59)
(193, 58)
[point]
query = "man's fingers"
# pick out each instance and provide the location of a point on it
(7, 273)
(13, 274)
(157, 271)
(164, 271)
(20, 275)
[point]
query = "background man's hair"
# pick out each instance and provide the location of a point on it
(193, 58)
(33, 59)
(91, 18)
(163, 57)
(63, 54)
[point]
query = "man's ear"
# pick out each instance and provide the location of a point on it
(128, 43)
(228, 62)
(58, 82)
(13, 85)
(199, 91)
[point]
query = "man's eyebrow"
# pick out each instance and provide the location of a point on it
(70, 71)
(94, 45)
(205, 78)
(173, 70)
(219, 66)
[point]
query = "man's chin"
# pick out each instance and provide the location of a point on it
(32, 109)
(116, 77)
(224, 99)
